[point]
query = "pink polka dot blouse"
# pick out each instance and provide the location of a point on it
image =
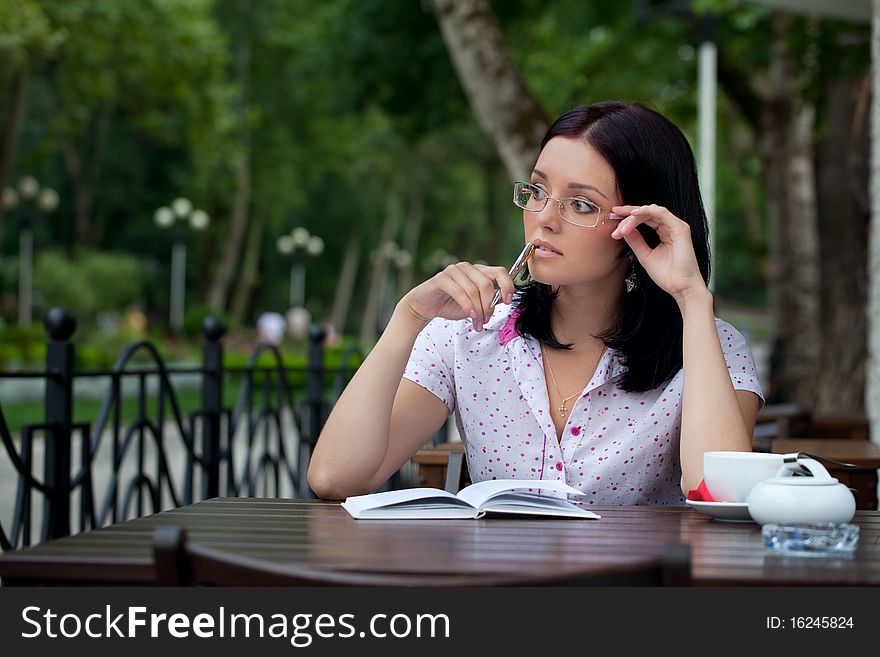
(620, 448)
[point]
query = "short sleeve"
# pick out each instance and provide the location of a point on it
(740, 362)
(432, 361)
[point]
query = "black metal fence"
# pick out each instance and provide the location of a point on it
(143, 453)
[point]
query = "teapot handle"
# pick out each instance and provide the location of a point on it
(795, 463)
(794, 456)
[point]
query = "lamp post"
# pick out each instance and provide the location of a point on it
(397, 258)
(176, 217)
(46, 200)
(299, 244)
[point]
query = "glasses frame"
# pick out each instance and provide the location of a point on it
(601, 215)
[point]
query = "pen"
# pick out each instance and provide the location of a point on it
(517, 267)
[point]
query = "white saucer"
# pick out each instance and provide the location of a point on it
(725, 511)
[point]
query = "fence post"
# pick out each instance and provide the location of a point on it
(60, 325)
(315, 397)
(212, 404)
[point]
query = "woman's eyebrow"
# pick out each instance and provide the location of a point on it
(541, 174)
(583, 186)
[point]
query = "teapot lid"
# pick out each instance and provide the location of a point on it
(802, 481)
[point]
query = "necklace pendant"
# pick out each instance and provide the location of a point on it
(562, 408)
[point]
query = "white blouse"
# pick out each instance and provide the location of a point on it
(620, 448)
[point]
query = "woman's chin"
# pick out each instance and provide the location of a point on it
(546, 280)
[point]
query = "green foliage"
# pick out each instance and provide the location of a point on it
(161, 61)
(350, 114)
(195, 315)
(25, 32)
(20, 347)
(90, 282)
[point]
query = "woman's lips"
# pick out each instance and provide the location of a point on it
(546, 252)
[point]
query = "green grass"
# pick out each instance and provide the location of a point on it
(18, 414)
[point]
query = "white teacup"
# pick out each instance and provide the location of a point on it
(731, 476)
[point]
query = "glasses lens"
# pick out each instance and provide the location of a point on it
(580, 212)
(527, 197)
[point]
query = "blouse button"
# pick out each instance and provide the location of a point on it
(575, 431)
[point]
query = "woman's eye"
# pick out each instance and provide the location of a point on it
(538, 193)
(582, 206)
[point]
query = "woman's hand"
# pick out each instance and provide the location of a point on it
(461, 290)
(672, 264)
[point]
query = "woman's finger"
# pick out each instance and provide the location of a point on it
(484, 284)
(501, 281)
(657, 217)
(448, 286)
(458, 273)
(639, 246)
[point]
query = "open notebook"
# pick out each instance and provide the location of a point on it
(535, 497)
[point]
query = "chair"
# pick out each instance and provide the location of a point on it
(457, 476)
(845, 427)
(790, 420)
(180, 563)
(442, 466)
(777, 421)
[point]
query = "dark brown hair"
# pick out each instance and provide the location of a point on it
(653, 163)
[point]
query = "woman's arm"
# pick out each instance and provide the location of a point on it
(714, 416)
(381, 419)
(357, 450)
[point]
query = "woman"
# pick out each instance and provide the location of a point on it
(608, 370)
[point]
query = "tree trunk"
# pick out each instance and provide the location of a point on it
(506, 110)
(872, 394)
(787, 128)
(11, 127)
(82, 200)
(412, 231)
(223, 277)
(843, 236)
(250, 270)
(372, 309)
(95, 227)
(742, 148)
(83, 165)
(346, 282)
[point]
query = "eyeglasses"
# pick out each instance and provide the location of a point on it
(575, 210)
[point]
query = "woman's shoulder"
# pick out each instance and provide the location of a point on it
(735, 342)
(729, 331)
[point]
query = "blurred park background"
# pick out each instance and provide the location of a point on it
(166, 160)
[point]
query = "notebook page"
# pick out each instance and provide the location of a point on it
(477, 494)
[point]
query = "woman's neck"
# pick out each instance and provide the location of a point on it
(583, 312)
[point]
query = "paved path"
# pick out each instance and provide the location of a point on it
(103, 471)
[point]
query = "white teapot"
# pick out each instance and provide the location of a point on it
(788, 499)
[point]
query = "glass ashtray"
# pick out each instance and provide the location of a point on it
(811, 539)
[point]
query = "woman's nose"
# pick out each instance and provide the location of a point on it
(549, 217)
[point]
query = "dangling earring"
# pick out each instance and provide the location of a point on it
(631, 281)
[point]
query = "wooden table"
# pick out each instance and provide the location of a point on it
(323, 534)
(862, 453)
